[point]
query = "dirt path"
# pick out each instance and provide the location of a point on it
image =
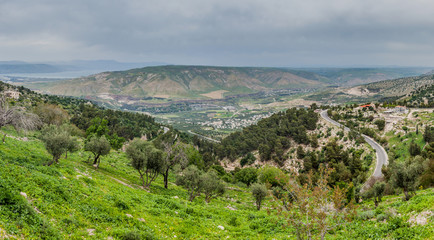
(123, 181)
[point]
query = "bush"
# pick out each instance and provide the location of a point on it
(270, 175)
(247, 160)
(247, 176)
(366, 215)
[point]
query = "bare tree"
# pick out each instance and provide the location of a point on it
(314, 208)
(174, 154)
(17, 117)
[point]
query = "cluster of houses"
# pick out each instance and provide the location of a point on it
(12, 94)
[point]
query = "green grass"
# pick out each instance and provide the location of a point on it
(72, 197)
(400, 143)
(71, 202)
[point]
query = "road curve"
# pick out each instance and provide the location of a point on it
(382, 158)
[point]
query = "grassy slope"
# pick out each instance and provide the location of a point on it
(71, 203)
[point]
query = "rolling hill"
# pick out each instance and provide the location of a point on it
(401, 88)
(182, 82)
(357, 76)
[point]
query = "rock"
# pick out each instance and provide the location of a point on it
(23, 194)
(129, 215)
(91, 231)
(421, 218)
(221, 227)
(230, 208)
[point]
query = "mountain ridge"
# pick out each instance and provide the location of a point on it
(184, 81)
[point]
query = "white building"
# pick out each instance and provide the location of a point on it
(12, 94)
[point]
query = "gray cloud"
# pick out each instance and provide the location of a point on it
(221, 32)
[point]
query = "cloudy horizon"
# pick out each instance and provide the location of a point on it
(281, 33)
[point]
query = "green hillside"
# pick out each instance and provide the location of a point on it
(72, 200)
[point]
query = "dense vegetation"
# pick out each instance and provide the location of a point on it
(81, 113)
(270, 136)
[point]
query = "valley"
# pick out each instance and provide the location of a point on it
(284, 142)
(215, 101)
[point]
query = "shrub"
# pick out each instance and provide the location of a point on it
(366, 215)
(270, 175)
(247, 176)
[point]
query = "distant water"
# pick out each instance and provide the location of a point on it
(71, 74)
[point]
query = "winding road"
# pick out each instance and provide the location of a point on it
(382, 158)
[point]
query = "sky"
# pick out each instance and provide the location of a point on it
(280, 33)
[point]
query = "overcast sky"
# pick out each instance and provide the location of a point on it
(289, 33)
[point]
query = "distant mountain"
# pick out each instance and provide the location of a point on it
(357, 76)
(72, 68)
(104, 65)
(184, 82)
(21, 67)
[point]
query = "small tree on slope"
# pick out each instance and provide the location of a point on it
(146, 159)
(57, 142)
(259, 192)
(314, 208)
(174, 154)
(212, 186)
(98, 146)
(190, 179)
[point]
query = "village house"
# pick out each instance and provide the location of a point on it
(12, 94)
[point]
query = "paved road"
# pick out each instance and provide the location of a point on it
(207, 138)
(382, 158)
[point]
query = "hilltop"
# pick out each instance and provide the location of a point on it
(416, 89)
(182, 82)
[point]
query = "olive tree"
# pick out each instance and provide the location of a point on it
(259, 192)
(212, 186)
(146, 159)
(57, 141)
(376, 192)
(190, 178)
(98, 146)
